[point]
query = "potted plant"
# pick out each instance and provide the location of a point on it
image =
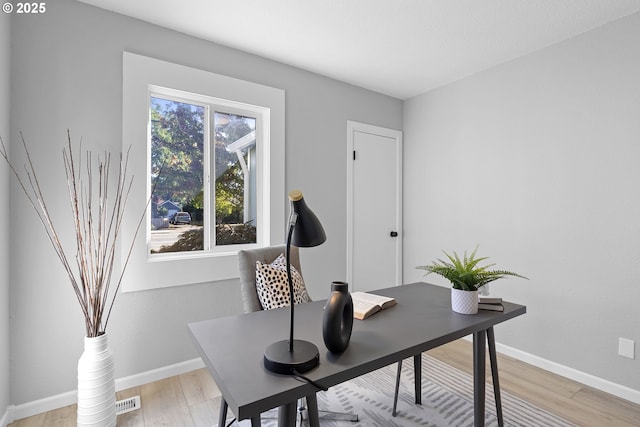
(467, 277)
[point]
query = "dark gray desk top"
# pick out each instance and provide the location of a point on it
(232, 347)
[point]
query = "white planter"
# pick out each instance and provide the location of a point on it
(96, 384)
(465, 302)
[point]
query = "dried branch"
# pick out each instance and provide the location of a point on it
(97, 226)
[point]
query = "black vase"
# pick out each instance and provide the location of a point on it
(337, 320)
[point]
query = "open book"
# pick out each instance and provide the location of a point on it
(365, 304)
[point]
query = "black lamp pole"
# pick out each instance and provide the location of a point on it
(296, 356)
(293, 218)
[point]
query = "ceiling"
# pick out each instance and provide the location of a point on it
(401, 48)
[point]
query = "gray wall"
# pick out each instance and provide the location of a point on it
(5, 46)
(537, 160)
(67, 73)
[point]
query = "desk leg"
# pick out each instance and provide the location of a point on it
(417, 370)
(493, 357)
(255, 421)
(312, 411)
(395, 395)
(222, 417)
(287, 415)
(479, 360)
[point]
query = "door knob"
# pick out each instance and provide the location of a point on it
(393, 234)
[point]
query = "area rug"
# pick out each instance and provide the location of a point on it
(447, 400)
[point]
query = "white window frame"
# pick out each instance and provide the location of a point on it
(211, 106)
(143, 76)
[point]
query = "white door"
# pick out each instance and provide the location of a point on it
(374, 207)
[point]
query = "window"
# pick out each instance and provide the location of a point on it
(235, 195)
(191, 141)
(177, 161)
(212, 149)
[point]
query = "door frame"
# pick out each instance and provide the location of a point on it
(352, 128)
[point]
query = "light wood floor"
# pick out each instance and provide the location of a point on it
(193, 399)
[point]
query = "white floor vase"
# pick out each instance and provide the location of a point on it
(465, 302)
(96, 384)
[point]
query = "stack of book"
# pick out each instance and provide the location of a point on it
(490, 303)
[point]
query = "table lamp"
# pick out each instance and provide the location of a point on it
(296, 356)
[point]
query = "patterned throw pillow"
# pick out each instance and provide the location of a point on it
(272, 286)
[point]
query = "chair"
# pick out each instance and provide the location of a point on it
(247, 263)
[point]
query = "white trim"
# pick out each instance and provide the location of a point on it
(618, 390)
(6, 417)
(158, 374)
(353, 127)
(61, 400)
(212, 106)
(601, 384)
(141, 73)
(64, 399)
(43, 405)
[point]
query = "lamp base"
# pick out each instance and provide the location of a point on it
(278, 358)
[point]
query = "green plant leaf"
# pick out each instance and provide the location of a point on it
(465, 273)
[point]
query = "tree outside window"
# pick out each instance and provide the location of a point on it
(180, 143)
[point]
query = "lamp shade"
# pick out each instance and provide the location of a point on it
(308, 231)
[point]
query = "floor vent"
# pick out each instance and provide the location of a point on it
(128, 405)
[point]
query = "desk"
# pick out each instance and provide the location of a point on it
(232, 347)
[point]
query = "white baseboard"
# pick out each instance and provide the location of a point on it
(158, 374)
(607, 386)
(64, 399)
(28, 409)
(5, 419)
